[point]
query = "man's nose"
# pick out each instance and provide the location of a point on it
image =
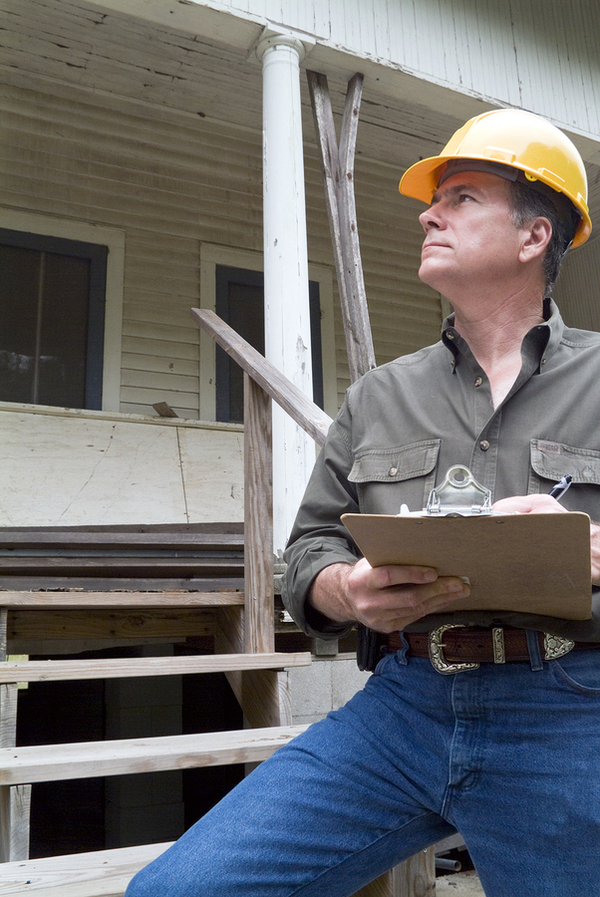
(430, 218)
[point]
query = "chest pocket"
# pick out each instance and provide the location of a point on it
(552, 460)
(387, 478)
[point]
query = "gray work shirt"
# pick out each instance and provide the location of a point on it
(403, 425)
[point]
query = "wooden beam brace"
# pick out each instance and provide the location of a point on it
(309, 416)
(338, 176)
(259, 611)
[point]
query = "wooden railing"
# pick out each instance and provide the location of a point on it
(416, 876)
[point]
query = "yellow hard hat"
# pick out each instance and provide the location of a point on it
(516, 140)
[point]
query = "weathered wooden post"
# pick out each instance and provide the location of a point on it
(338, 178)
(15, 801)
(416, 876)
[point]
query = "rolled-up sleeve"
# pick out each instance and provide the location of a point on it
(319, 538)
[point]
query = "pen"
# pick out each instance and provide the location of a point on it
(561, 487)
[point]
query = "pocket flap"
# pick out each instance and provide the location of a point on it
(396, 464)
(554, 460)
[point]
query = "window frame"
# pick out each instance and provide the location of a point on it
(211, 256)
(225, 275)
(109, 330)
(97, 255)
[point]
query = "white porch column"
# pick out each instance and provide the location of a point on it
(287, 319)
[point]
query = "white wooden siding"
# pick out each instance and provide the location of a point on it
(576, 290)
(540, 55)
(110, 120)
(172, 182)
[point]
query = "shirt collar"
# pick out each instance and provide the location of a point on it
(539, 344)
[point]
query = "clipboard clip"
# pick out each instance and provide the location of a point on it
(459, 495)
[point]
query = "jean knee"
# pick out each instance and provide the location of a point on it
(144, 884)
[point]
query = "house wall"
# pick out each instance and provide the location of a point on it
(172, 183)
(92, 136)
(540, 55)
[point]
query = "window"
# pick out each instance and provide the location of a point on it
(52, 307)
(240, 302)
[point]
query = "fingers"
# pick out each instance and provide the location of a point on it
(389, 598)
(529, 504)
(403, 613)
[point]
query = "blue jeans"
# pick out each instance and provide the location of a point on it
(508, 755)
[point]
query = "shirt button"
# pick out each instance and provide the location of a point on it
(484, 445)
(478, 381)
(392, 471)
(449, 334)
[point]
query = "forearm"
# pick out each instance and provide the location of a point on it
(328, 593)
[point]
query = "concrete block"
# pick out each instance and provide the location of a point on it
(346, 680)
(310, 690)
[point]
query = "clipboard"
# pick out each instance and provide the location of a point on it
(530, 563)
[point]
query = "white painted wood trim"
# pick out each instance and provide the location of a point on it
(118, 417)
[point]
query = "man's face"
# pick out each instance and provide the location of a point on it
(470, 237)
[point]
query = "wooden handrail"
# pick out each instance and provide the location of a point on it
(306, 414)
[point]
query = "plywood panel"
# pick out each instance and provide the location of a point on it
(72, 470)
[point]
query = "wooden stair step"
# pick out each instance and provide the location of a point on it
(97, 539)
(99, 582)
(54, 670)
(122, 565)
(82, 760)
(79, 599)
(104, 873)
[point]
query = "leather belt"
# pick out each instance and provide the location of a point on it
(453, 648)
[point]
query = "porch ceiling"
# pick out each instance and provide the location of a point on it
(204, 68)
(65, 44)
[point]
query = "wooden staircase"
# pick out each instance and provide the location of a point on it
(61, 588)
(141, 584)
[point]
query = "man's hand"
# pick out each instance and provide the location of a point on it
(529, 504)
(544, 504)
(383, 598)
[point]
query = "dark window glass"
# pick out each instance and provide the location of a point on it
(240, 302)
(52, 295)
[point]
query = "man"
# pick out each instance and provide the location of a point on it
(506, 752)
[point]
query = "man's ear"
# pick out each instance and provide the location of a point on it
(537, 235)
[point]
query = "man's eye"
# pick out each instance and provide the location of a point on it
(464, 197)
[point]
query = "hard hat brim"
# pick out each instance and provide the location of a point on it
(421, 180)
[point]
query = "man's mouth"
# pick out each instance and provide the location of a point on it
(433, 244)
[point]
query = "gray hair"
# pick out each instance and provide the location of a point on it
(528, 203)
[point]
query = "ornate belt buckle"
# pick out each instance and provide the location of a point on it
(555, 646)
(436, 652)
